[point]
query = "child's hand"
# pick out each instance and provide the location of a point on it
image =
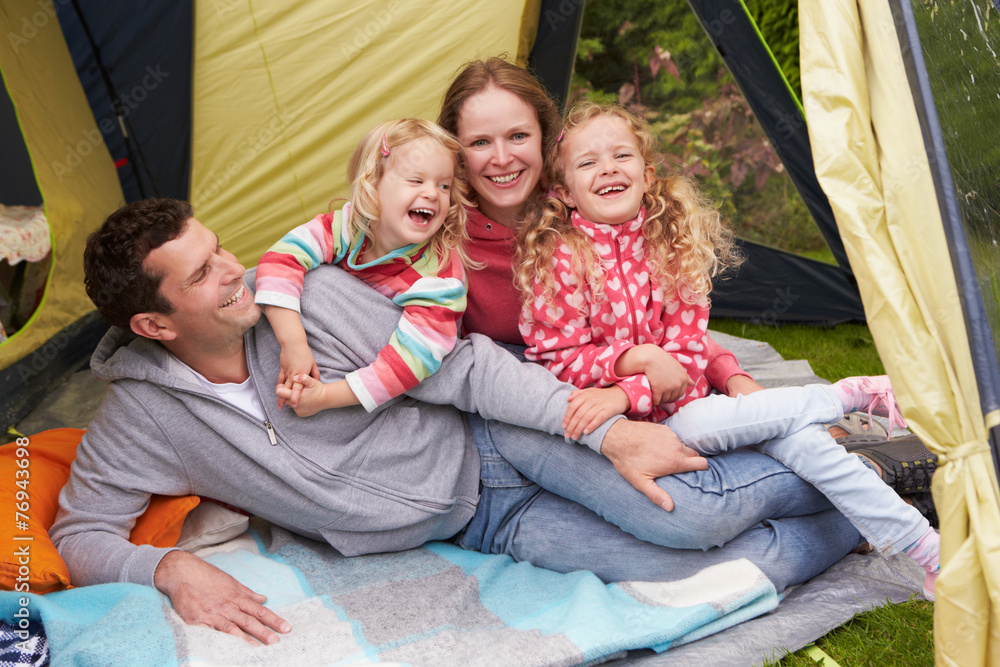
(296, 359)
(668, 380)
(310, 394)
(741, 384)
(589, 408)
(315, 396)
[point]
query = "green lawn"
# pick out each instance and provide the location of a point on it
(833, 352)
(892, 635)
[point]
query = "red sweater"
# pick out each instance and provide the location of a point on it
(582, 348)
(493, 303)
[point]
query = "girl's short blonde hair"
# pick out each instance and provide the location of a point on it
(687, 242)
(368, 165)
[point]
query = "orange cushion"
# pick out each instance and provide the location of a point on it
(32, 472)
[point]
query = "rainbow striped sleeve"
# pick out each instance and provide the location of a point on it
(282, 269)
(432, 296)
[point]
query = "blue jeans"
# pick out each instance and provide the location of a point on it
(746, 505)
(787, 423)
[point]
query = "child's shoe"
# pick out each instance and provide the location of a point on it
(873, 394)
(926, 551)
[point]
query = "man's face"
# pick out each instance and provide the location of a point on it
(204, 284)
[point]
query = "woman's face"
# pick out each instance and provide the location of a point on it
(502, 148)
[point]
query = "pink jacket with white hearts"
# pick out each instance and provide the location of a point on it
(583, 349)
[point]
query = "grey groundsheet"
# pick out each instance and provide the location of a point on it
(807, 612)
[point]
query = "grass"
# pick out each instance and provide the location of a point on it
(900, 634)
(833, 352)
(891, 635)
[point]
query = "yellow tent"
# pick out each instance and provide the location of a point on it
(891, 198)
(55, 121)
(270, 153)
(279, 88)
(281, 93)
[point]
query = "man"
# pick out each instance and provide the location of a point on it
(190, 411)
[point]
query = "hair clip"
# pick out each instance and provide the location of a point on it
(561, 132)
(385, 147)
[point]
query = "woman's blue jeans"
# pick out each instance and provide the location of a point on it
(746, 505)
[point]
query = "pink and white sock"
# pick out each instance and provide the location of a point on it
(927, 552)
(873, 394)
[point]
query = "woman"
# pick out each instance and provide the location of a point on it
(504, 121)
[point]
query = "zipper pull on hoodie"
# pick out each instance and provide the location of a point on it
(270, 433)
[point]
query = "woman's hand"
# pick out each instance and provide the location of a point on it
(589, 408)
(668, 380)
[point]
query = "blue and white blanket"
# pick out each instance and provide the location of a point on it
(437, 605)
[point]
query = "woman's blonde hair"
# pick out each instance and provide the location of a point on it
(687, 243)
(368, 165)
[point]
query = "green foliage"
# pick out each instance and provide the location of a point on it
(778, 22)
(629, 32)
(960, 43)
(723, 146)
(705, 127)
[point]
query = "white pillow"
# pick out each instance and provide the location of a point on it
(209, 524)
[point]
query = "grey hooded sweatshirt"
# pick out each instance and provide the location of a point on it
(364, 482)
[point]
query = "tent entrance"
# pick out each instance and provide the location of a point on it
(25, 242)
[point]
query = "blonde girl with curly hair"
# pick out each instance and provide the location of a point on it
(401, 231)
(616, 268)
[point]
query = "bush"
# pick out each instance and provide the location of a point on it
(654, 57)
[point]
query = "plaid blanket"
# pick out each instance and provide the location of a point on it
(437, 605)
(23, 644)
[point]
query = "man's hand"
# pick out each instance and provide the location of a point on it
(591, 407)
(643, 451)
(202, 594)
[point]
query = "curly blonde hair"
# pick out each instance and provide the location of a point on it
(368, 165)
(687, 242)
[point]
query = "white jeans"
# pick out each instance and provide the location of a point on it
(787, 425)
